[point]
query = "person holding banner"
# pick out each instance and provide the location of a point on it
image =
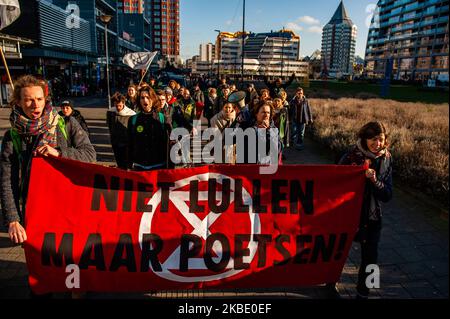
(371, 149)
(37, 129)
(147, 134)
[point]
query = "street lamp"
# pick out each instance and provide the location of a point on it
(243, 43)
(218, 60)
(106, 19)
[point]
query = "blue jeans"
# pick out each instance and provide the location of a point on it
(298, 133)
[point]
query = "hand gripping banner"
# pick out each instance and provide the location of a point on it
(207, 227)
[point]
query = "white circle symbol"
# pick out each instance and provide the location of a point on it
(201, 229)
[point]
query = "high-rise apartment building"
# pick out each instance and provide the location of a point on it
(338, 44)
(409, 38)
(164, 17)
(207, 52)
(130, 6)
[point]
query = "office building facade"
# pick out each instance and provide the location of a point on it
(271, 54)
(69, 41)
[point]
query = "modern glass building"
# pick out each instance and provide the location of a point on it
(272, 54)
(409, 38)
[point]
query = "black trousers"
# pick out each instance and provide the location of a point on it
(369, 255)
(120, 155)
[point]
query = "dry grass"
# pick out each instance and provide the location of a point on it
(419, 136)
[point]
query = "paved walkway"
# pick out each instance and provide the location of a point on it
(413, 249)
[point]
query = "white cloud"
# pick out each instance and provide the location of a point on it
(308, 20)
(315, 29)
(293, 26)
(228, 22)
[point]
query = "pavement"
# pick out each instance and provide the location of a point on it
(413, 252)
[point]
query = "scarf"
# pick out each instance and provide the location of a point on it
(223, 122)
(43, 127)
(384, 171)
(126, 111)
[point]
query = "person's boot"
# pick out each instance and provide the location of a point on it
(41, 296)
(78, 295)
(332, 292)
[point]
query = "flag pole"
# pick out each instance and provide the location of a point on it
(6, 68)
(146, 69)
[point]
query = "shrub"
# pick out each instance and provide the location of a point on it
(418, 134)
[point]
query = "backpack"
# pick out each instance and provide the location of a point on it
(160, 116)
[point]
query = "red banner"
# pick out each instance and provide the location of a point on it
(208, 227)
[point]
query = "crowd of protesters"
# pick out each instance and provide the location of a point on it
(140, 128)
(160, 109)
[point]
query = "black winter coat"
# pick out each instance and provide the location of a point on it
(147, 140)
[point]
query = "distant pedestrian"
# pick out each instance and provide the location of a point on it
(264, 95)
(68, 111)
(276, 86)
(153, 84)
(301, 116)
(117, 121)
(224, 118)
(188, 110)
(199, 99)
(371, 149)
(251, 94)
(281, 121)
(198, 95)
(131, 98)
(223, 96)
(211, 105)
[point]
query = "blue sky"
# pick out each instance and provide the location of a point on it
(199, 19)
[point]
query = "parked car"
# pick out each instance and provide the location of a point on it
(164, 79)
